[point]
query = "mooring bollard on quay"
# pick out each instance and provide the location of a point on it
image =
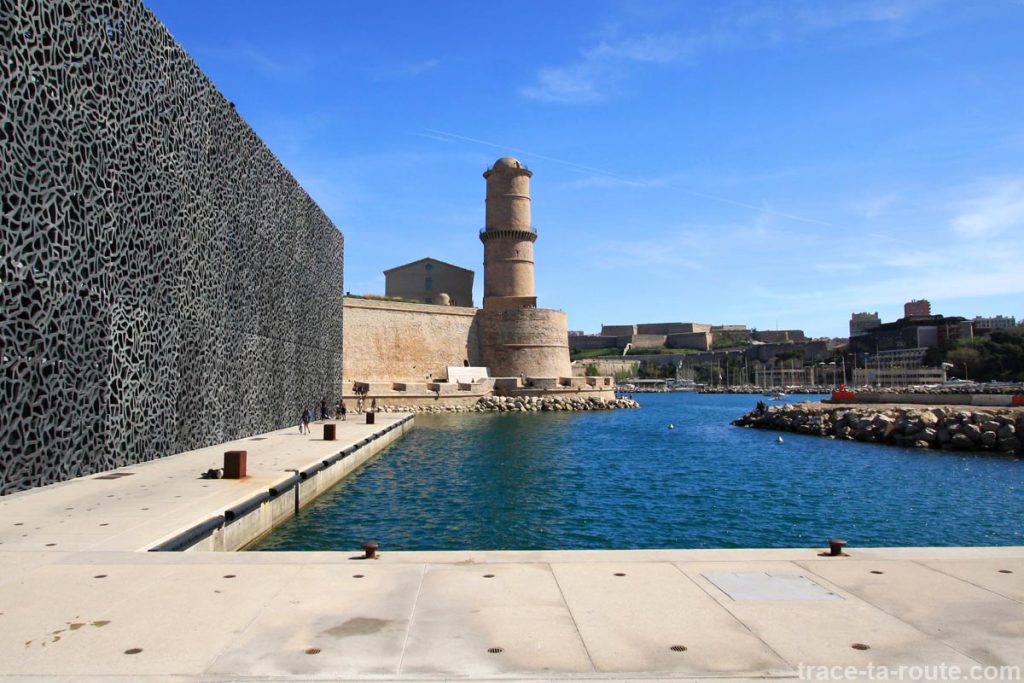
(235, 464)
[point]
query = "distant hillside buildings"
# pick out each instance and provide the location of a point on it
(918, 308)
(998, 322)
(894, 353)
(862, 322)
(679, 335)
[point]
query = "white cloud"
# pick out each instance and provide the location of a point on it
(404, 69)
(653, 49)
(996, 208)
(572, 84)
(874, 207)
(600, 69)
(595, 75)
(818, 16)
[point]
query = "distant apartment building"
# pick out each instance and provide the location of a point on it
(997, 322)
(912, 332)
(904, 358)
(897, 376)
(780, 376)
(427, 280)
(918, 308)
(862, 322)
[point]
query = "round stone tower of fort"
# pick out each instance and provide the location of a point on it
(516, 337)
(508, 237)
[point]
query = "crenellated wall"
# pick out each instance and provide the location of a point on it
(166, 283)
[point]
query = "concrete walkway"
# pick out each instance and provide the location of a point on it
(131, 508)
(92, 607)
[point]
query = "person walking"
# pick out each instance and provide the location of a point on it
(373, 406)
(323, 409)
(342, 410)
(307, 417)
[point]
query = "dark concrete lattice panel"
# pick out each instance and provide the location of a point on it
(166, 284)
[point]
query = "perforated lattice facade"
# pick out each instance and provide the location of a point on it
(166, 284)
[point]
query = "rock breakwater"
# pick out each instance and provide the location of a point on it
(991, 429)
(518, 404)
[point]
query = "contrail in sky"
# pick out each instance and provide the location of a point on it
(590, 169)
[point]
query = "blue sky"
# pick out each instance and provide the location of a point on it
(779, 164)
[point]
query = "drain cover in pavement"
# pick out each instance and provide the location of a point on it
(766, 586)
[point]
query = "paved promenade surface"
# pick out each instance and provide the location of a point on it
(93, 607)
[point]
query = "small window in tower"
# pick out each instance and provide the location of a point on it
(428, 284)
(429, 266)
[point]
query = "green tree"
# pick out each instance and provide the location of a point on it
(965, 359)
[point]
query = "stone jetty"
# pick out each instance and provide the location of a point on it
(946, 427)
(519, 404)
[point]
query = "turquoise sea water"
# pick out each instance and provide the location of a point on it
(621, 479)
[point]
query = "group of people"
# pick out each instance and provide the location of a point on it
(340, 413)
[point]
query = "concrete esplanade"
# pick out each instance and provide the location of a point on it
(516, 337)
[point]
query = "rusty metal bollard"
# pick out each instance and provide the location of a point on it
(835, 546)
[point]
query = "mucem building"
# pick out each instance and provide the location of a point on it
(166, 283)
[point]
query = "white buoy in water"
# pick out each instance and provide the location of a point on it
(671, 426)
(779, 440)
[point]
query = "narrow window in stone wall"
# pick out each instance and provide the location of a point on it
(429, 284)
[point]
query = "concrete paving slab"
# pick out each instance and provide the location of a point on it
(748, 585)
(41, 610)
(824, 631)
(1001, 576)
(180, 623)
(355, 617)
(985, 626)
(462, 612)
(632, 615)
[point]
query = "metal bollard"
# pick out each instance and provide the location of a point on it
(370, 418)
(835, 546)
(370, 550)
(234, 464)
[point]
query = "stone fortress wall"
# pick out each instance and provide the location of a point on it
(166, 283)
(391, 341)
(525, 341)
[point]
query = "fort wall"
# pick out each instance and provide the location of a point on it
(390, 341)
(530, 341)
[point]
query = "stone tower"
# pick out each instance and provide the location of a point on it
(516, 338)
(508, 237)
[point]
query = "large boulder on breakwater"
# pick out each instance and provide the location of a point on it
(518, 404)
(990, 429)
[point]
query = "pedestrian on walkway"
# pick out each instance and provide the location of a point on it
(343, 410)
(307, 417)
